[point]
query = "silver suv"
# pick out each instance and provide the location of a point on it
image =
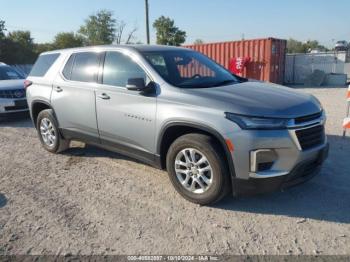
(176, 109)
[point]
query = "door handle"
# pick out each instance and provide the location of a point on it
(58, 89)
(104, 96)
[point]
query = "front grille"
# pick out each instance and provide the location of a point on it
(311, 137)
(303, 119)
(16, 93)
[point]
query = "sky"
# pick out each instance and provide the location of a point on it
(210, 20)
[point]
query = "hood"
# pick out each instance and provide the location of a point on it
(11, 84)
(259, 99)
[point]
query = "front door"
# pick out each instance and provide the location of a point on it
(126, 119)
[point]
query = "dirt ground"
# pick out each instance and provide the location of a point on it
(90, 201)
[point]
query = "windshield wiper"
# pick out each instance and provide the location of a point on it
(208, 85)
(225, 82)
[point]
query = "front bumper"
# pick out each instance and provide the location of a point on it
(9, 106)
(288, 166)
(302, 172)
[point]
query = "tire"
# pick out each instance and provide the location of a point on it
(52, 141)
(218, 181)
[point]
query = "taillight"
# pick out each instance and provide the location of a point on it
(27, 83)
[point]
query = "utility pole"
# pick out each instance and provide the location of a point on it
(147, 22)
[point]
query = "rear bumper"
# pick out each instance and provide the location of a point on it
(303, 172)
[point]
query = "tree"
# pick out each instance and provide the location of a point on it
(131, 36)
(2, 37)
(168, 33)
(23, 38)
(67, 40)
(198, 42)
(295, 46)
(18, 48)
(2, 29)
(120, 30)
(314, 45)
(43, 47)
(99, 28)
(103, 28)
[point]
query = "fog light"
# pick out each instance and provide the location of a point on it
(262, 160)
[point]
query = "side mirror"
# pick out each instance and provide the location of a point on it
(136, 84)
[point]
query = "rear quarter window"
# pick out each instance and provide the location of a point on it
(43, 64)
(67, 70)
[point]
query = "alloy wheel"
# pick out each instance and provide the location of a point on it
(48, 132)
(193, 170)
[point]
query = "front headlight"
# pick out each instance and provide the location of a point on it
(252, 122)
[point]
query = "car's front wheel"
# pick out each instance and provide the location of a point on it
(48, 132)
(197, 169)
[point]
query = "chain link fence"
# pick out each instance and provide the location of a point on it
(299, 66)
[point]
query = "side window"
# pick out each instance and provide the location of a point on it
(118, 68)
(43, 64)
(85, 67)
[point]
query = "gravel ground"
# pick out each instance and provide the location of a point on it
(90, 201)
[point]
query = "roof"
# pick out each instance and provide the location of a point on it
(140, 48)
(150, 48)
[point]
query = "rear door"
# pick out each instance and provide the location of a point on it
(126, 119)
(73, 96)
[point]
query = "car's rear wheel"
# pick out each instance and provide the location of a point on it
(197, 169)
(48, 132)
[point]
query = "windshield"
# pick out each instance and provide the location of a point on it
(189, 69)
(7, 73)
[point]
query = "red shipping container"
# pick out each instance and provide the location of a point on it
(267, 56)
